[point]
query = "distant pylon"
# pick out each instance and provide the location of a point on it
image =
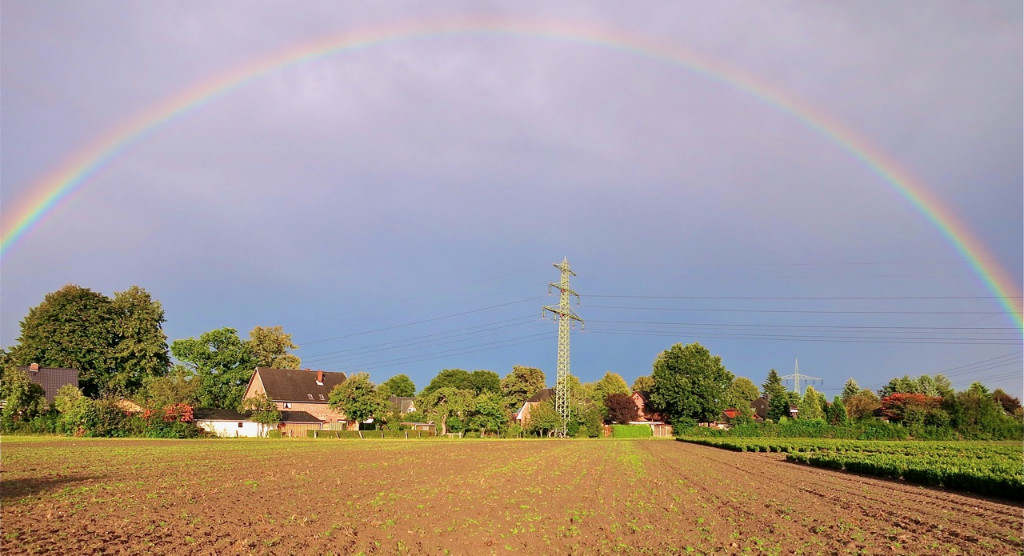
(796, 376)
(565, 321)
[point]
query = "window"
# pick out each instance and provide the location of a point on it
(239, 425)
(310, 396)
(321, 396)
(287, 405)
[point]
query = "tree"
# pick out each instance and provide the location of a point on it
(482, 382)
(521, 384)
(23, 399)
(450, 378)
(741, 393)
(836, 413)
(610, 383)
(1009, 404)
(140, 345)
(621, 407)
(643, 384)
(690, 383)
(444, 404)
(221, 362)
(544, 419)
(270, 348)
(862, 405)
(178, 387)
(911, 408)
(264, 411)
(489, 413)
(810, 405)
(358, 399)
(399, 385)
(74, 328)
(850, 389)
(776, 394)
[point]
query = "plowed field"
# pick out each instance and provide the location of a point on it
(74, 496)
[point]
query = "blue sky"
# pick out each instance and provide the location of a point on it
(398, 208)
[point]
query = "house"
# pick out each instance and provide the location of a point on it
(760, 408)
(50, 378)
(402, 404)
(644, 410)
(300, 390)
(226, 422)
(523, 415)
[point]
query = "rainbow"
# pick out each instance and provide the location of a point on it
(57, 185)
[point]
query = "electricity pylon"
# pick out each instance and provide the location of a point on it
(796, 376)
(565, 321)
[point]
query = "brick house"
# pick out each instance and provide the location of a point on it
(304, 390)
(523, 415)
(50, 378)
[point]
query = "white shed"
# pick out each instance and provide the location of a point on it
(226, 422)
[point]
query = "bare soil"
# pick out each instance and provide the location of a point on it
(74, 496)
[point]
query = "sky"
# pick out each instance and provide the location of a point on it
(398, 205)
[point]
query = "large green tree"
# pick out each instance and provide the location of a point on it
(643, 384)
(690, 383)
(810, 405)
(741, 393)
(270, 347)
(115, 344)
(140, 345)
(358, 399)
(221, 362)
(450, 378)
(520, 384)
(74, 328)
(610, 383)
(777, 395)
(445, 404)
(399, 385)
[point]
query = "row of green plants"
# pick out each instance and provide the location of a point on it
(866, 429)
(978, 467)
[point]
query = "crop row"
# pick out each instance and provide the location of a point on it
(979, 467)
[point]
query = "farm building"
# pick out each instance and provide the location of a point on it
(226, 422)
(300, 390)
(296, 423)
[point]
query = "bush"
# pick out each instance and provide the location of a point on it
(274, 434)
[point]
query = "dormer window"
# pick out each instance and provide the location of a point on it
(310, 396)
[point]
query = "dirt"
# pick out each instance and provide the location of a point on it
(468, 497)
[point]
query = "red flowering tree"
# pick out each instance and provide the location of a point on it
(901, 407)
(178, 412)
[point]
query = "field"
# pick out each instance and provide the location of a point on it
(468, 497)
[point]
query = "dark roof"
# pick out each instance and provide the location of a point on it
(542, 396)
(298, 417)
(760, 407)
(210, 414)
(644, 395)
(51, 379)
(298, 385)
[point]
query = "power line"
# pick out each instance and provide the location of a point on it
(797, 311)
(386, 328)
(800, 298)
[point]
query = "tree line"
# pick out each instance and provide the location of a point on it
(119, 347)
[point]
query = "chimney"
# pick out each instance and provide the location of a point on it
(34, 367)
(320, 378)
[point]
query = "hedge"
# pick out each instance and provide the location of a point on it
(631, 431)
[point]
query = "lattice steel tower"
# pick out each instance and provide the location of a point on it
(565, 321)
(796, 376)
